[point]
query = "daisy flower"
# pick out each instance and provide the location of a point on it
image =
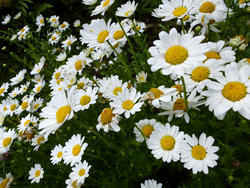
(151, 183)
(141, 77)
(89, 2)
(174, 9)
(4, 87)
(146, 126)
(36, 104)
(54, 21)
(38, 87)
(126, 10)
(80, 171)
(174, 53)
(5, 183)
(2, 117)
(112, 87)
(24, 125)
(77, 23)
(64, 26)
(24, 88)
(74, 149)
(16, 91)
(68, 42)
(127, 102)
(61, 57)
(17, 15)
(96, 34)
(177, 107)
(57, 154)
(6, 19)
(23, 32)
(230, 91)
(102, 8)
(72, 184)
(6, 139)
(197, 76)
(107, 120)
(39, 22)
(38, 67)
(38, 78)
(57, 111)
(198, 155)
(25, 105)
(219, 52)
(166, 142)
(18, 78)
(36, 173)
(13, 104)
(83, 83)
(54, 39)
(244, 61)
(38, 140)
(85, 98)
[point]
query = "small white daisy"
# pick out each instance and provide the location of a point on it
(126, 10)
(38, 67)
(6, 19)
(6, 139)
(72, 184)
(61, 57)
(6, 182)
(151, 183)
(64, 26)
(74, 149)
(39, 22)
(141, 77)
(18, 78)
(4, 87)
(57, 154)
(198, 155)
(80, 171)
(102, 8)
(68, 42)
(36, 173)
(54, 21)
(36, 104)
(38, 87)
(25, 122)
(54, 39)
(77, 23)
(38, 140)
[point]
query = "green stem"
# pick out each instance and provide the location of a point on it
(185, 93)
(182, 27)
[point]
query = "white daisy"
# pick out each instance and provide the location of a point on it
(24, 88)
(72, 184)
(107, 120)
(57, 111)
(2, 117)
(68, 42)
(24, 125)
(146, 126)
(11, 105)
(18, 15)
(174, 53)
(4, 87)
(166, 142)
(54, 39)
(36, 173)
(230, 91)
(39, 22)
(151, 183)
(126, 102)
(25, 105)
(198, 155)
(38, 87)
(15, 92)
(6, 182)
(18, 78)
(38, 78)
(64, 26)
(83, 83)
(141, 77)
(54, 21)
(89, 2)
(61, 57)
(57, 154)
(6, 139)
(80, 171)
(23, 32)
(6, 19)
(36, 104)
(38, 67)
(85, 98)
(126, 10)
(77, 23)
(74, 149)
(102, 8)
(38, 140)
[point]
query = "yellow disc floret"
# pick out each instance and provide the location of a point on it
(81, 172)
(85, 99)
(78, 65)
(116, 90)
(147, 130)
(102, 36)
(207, 7)
(62, 113)
(127, 105)
(76, 150)
(200, 73)
(106, 116)
(156, 92)
(118, 35)
(234, 91)
(179, 104)
(37, 174)
(179, 11)
(176, 55)
(212, 55)
(198, 152)
(167, 142)
(6, 141)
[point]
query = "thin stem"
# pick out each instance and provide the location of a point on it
(140, 132)
(185, 93)
(182, 27)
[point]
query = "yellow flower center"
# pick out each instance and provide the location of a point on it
(4, 183)
(179, 104)
(106, 116)
(24, 105)
(57, 75)
(78, 65)
(62, 113)
(185, 18)
(156, 92)
(106, 3)
(36, 106)
(38, 89)
(41, 21)
(178, 87)
(207, 7)
(5, 108)
(37, 174)
(22, 30)
(167, 143)
(199, 152)
(127, 104)
(7, 141)
(179, 11)
(69, 43)
(116, 90)
(234, 91)
(241, 1)
(26, 122)
(40, 139)
(76, 150)
(118, 35)
(247, 61)
(200, 73)
(85, 99)
(53, 38)
(80, 85)
(63, 25)
(59, 154)
(212, 55)
(102, 36)
(81, 172)
(176, 55)
(147, 130)
(1, 90)
(53, 19)
(12, 107)
(127, 13)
